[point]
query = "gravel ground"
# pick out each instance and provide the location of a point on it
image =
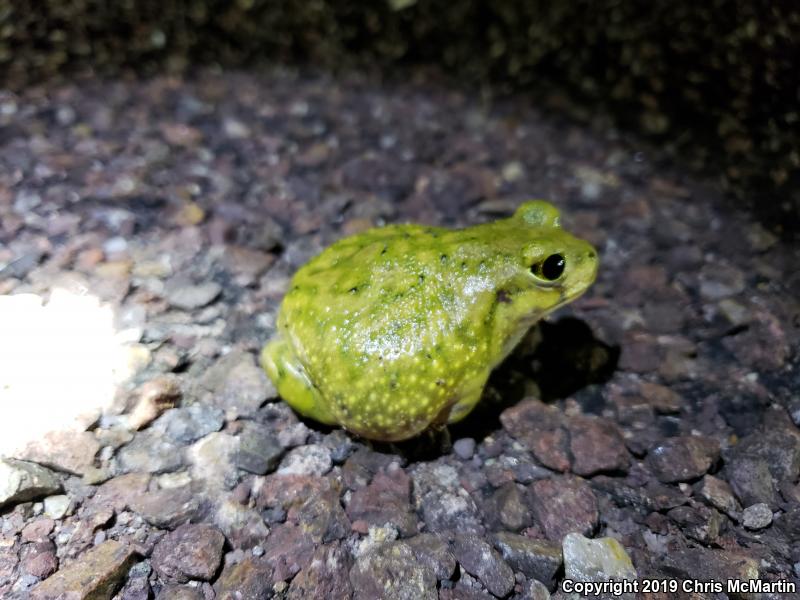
(147, 233)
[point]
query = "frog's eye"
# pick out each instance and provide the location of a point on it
(551, 268)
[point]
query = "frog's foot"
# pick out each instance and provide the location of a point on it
(292, 381)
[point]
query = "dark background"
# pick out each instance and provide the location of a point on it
(715, 83)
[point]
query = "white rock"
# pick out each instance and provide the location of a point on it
(602, 559)
(56, 507)
(21, 481)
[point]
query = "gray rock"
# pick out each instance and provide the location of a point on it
(21, 481)
(149, 452)
(698, 522)
(757, 516)
(96, 574)
(443, 502)
(325, 577)
(602, 559)
(167, 508)
(535, 590)
(478, 558)
(536, 559)
(189, 424)
(464, 448)
(237, 384)
(466, 588)
(294, 434)
(432, 550)
(360, 467)
(259, 450)
(243, 527)
(705, 565)
(721, 281)
(718, 493)
(114, 437)
(779, 448)
(138, 585)
(340, 443)
(189, 552)
(392, 570)
(751, 480)
(507, 508)
(180, 592)
(211, 460)
(314, 459)
(191, 297)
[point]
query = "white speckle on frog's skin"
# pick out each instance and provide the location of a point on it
(384, 351)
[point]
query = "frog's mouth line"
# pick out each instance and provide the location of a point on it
(563, 299)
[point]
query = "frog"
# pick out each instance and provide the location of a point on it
(394, 331)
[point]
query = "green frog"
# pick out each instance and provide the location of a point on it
(394, 330)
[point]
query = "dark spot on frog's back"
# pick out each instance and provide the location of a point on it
(503, 297)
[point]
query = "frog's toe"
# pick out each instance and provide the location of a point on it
(293, 383)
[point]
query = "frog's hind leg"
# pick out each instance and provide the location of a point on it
(292, 381)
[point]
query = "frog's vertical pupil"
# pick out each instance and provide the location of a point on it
(552, 267)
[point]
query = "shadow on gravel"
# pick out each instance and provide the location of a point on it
(559, 359)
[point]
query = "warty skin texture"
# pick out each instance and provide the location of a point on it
(396, 329)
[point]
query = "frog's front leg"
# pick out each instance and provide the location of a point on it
(469, 395)
(294, 385)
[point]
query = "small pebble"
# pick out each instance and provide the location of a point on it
(56, 507)
(757, 516)
(464, 448)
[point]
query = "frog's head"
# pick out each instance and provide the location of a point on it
(547, 268)
(559, 266)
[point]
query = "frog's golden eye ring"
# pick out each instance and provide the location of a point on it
(551, 268)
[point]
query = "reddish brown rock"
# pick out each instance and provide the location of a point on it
(189, 552)
(563, 505)
(538, 427)
(683, 458)
(387, 499)
(596, 445)
(289, 548)
(70, 451)
(38, 529)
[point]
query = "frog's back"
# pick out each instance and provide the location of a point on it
(375, 321)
